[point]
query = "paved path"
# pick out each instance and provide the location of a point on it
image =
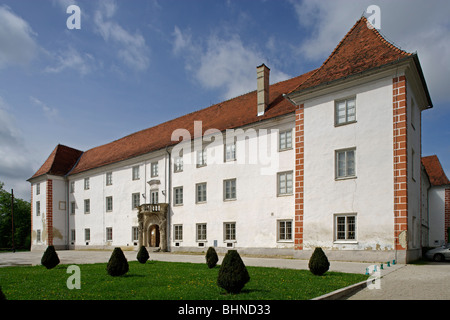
(398, 282)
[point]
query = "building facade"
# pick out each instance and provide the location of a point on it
(331, 158)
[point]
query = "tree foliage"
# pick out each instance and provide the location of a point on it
(211, 257)
(233, 274)
(22, 221)
(117, 264)
(50, 258)
(318, 263)
(142, 255)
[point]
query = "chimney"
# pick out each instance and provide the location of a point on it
(262, 81)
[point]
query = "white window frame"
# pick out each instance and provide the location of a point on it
(109, 181)
(87, 206)
(38, 208)
(229, 190)
(86, 184)
(285, 141)
(201, 158)
(178, 164)
(154, 169)
(72, 186)
(72, 207)
(229, 231)
(72, 235)
(134, 234)
(343, 228)
(347, 168)
(87, 234)
(135, 200)
(203, 192)
(178, 232)
(38, 236)
(349, 117)
(135, 174)
(38, 188)
(109, 234)
(284, 230)
(154, 197)
(109, 204)
(230, 151)
(283, 186)
(201, 232)
(178, 196)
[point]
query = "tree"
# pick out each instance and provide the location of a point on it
(117, 264)
(233, 274)
(142, 255)
(22, 221)
(318, 263)
(211, 257)
(50, 258)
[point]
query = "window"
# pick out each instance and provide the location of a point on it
(229, 189)
(230, 231)
(136, 173)
(285, 140)
(178, 198)
(178, 164)
(72, 207)
(135, 200)
(72, 235)
(200, 189)
(38, 188)
(201, 232)
(345, 111)
(134, 233)
(86, 184)
(345, 163)
(38, 208)
(413, 164)
(285, 183)
(154, 197)
(154, 170)
(345, 227)
(87, 206)
(108, 234)
(178, 232)
(87, 234)
(38, 235)
(201, 158)
(230, 152)
(285, 230)
(109, 204)
(109, 178)
(72, 186)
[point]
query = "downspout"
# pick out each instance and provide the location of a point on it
(168, 190)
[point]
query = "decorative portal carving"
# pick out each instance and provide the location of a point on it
(149, 215)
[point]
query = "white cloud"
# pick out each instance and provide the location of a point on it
(70, 58)
(414, 25)
(224, 64)
(49, 112)
(18, 46)
(131, 48)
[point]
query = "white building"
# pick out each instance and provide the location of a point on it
(331, 158)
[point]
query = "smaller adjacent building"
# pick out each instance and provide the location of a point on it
(436, 189)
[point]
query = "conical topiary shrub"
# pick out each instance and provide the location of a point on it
(211, 257)
(117, 264)
(50, 258)
(2, 296)
(318, 263)
(142, 255)
(233, 274)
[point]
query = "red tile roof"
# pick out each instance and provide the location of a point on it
(60, 161)
(363, 48)
(434, 170)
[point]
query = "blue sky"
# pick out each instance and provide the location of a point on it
(137, 63)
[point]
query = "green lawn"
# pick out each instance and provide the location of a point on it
(157, 280)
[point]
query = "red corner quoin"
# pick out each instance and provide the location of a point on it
(299, 167)
(50, 212)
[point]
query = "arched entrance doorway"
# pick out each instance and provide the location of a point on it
(153, 236)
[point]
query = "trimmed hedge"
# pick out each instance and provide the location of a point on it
(50, 258)
(142, 255)
(117, 264)
(318, 263)
(233, 274)
(211, 257)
